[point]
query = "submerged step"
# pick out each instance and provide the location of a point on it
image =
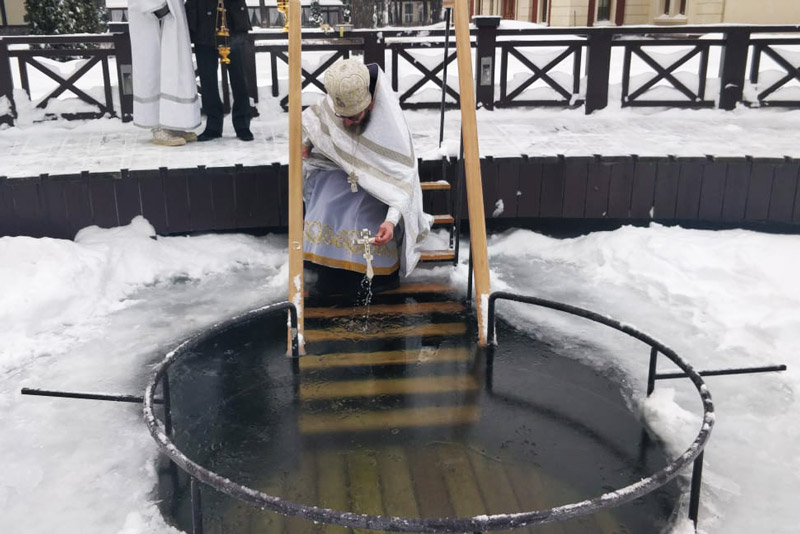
(388, 419)
(421, 287)
(421, 330)
(443, 219)
(405, 308)
(391, 357)
(391, 386)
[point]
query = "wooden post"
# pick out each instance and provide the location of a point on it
(295, 171)
(599, 68)
(469, 131)
(733, 66)
(6, 85)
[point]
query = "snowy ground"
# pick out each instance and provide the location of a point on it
(94, 314)
(109, 145)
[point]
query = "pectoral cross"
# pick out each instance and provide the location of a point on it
(352, 179)
(365, 239)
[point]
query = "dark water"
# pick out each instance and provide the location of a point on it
(444, 435)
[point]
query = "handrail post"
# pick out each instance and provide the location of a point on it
(122, 51)
(167, 405)
(694, 495)
(295, 172)
(733, 66)
(374, 49)
(490, 321)
(651, 374)
(6, 85)
(197, 507)
(598, 66)
(484, 59)
(469, 130)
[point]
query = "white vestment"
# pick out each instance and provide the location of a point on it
(381, 158)
(164, 86)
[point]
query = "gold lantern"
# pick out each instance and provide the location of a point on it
(222, 33)
(283, 7)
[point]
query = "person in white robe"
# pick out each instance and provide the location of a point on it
(164, 88)
(360, 172)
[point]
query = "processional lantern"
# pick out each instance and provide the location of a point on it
(283, 7)
(223, 33)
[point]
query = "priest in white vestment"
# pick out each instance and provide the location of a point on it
(164, 88)
(360, 171)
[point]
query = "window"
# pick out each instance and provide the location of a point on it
(604, 10)
(408, 12)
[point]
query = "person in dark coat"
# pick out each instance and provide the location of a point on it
(201, 16)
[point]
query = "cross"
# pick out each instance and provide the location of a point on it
(367, 240)
(352, 179)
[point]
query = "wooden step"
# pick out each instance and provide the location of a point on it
(316, 423)
(438, 185)
(439, 220)
(437, 255)
(420, 385)
(389, 357)
(421, 287)
(422, 330)
(413, 308)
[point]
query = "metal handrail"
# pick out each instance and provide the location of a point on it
(480, 523)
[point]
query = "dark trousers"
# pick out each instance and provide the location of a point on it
(207, 64)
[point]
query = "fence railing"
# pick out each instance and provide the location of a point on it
(695, 66)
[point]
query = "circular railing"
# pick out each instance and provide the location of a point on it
(479, 523)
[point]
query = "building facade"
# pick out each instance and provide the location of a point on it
(641, 12)
(12, 13)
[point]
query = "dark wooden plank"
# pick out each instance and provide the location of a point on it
(396, 485)
(429, 485)
(644, 186)
(576, 176)
(301, 486)
(129, 202)
(666, 192)
(529, 188)
(152, 198)
(283, 195)
(78, 202)
(7, 220)
(762, 172)
(531, 493)
(490, 191)
(620, 188)
(552, 187)
(103, 199)
(690, 184)
(176, 199)
(268, 185)
(712, 192)
(737, 183)
(362, 473)
(784, 189)
(598, 188)
(55, 208)
(246, 198)
(223, 195)
(201, 200)
(28, 208)
(508, 185)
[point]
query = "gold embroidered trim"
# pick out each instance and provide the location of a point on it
(317, 232)
(349, 265)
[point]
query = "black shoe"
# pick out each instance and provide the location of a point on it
(208, 136)
(245, 135)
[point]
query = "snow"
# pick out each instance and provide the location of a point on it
(95, 313)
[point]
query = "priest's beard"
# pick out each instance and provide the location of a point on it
(359, 128)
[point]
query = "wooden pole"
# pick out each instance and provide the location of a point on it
(295, 171)
(472, 165)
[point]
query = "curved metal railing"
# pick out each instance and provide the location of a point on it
(161, 434)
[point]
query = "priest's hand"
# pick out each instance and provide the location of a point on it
(385, 233)
(305, 151)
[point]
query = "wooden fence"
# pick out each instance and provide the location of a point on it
(737, 192)
(586, 51)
